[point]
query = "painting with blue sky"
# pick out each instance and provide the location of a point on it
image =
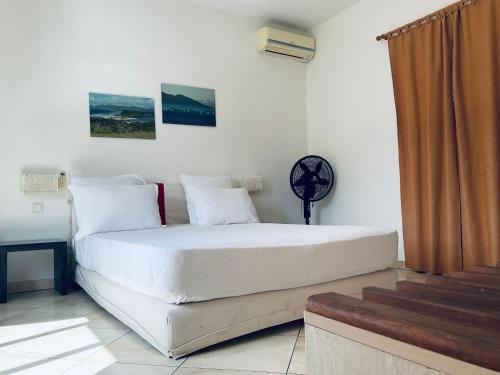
(187, 105)
(119, 116)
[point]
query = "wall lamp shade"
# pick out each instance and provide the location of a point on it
(43, 183)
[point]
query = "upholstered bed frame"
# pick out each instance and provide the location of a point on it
(179, 329)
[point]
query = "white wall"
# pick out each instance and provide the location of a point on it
(54, 52)
(351, 112)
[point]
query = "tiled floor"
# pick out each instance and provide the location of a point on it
(44, 333)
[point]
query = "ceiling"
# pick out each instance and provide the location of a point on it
(303, 14)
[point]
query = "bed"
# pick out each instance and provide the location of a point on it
(183, 288)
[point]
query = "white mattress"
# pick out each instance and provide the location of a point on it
(184, 263)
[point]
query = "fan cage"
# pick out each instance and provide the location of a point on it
(326, 172)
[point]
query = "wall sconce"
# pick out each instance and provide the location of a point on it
(43, 183)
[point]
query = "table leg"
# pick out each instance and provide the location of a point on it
(61, 269)
(3, 276)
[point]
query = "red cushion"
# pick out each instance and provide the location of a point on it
(161, 202)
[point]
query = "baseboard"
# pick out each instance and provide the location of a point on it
(30, 285)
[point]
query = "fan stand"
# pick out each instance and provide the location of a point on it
(307, 211)
(307, 204)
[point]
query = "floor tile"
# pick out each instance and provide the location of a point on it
(102, 319)
(9, 314)
(34, 365)
(16, 334)
(411, 276)
(53, 313)
(67, 343)
(287, 329)
(132, 349)
(36, 297)
(17, 304)
(201, 371)
(90, 368)
(264, 353)
(298, 362)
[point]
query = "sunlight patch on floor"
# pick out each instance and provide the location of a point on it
(42, 348)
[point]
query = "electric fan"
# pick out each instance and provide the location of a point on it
(311, 179)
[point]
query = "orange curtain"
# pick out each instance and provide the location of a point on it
(421, 63)
(446, 84)
(477, 107)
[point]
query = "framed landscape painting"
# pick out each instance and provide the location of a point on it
(119, 116)
(187, 105)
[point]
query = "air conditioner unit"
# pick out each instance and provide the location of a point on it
(280, 42)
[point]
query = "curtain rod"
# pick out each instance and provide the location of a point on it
(425, 20)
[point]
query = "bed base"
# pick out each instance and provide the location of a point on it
(178, 330)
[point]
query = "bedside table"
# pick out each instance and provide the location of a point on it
(60, 262)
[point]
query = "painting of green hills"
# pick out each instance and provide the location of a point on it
(185, 105)
(119, 116)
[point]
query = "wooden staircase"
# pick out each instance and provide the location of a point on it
(457, 316)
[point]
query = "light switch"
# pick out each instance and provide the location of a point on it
(37, 207)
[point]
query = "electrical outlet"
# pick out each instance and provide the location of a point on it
(37, 207)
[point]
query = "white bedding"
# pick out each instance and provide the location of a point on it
(184, 263)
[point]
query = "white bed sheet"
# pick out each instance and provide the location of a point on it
(184, 263)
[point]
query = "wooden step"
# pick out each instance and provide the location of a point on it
(446, 294)
(486, 269)
(466, 286)
(462, 341)
(476, 277)
(481, 316)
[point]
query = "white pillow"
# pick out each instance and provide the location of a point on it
(220, 182)
(222, 206)
(112, 208)
(126, 179)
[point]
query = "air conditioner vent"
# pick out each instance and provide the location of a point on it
(283, 54)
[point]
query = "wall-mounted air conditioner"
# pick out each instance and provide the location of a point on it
(280, 42)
